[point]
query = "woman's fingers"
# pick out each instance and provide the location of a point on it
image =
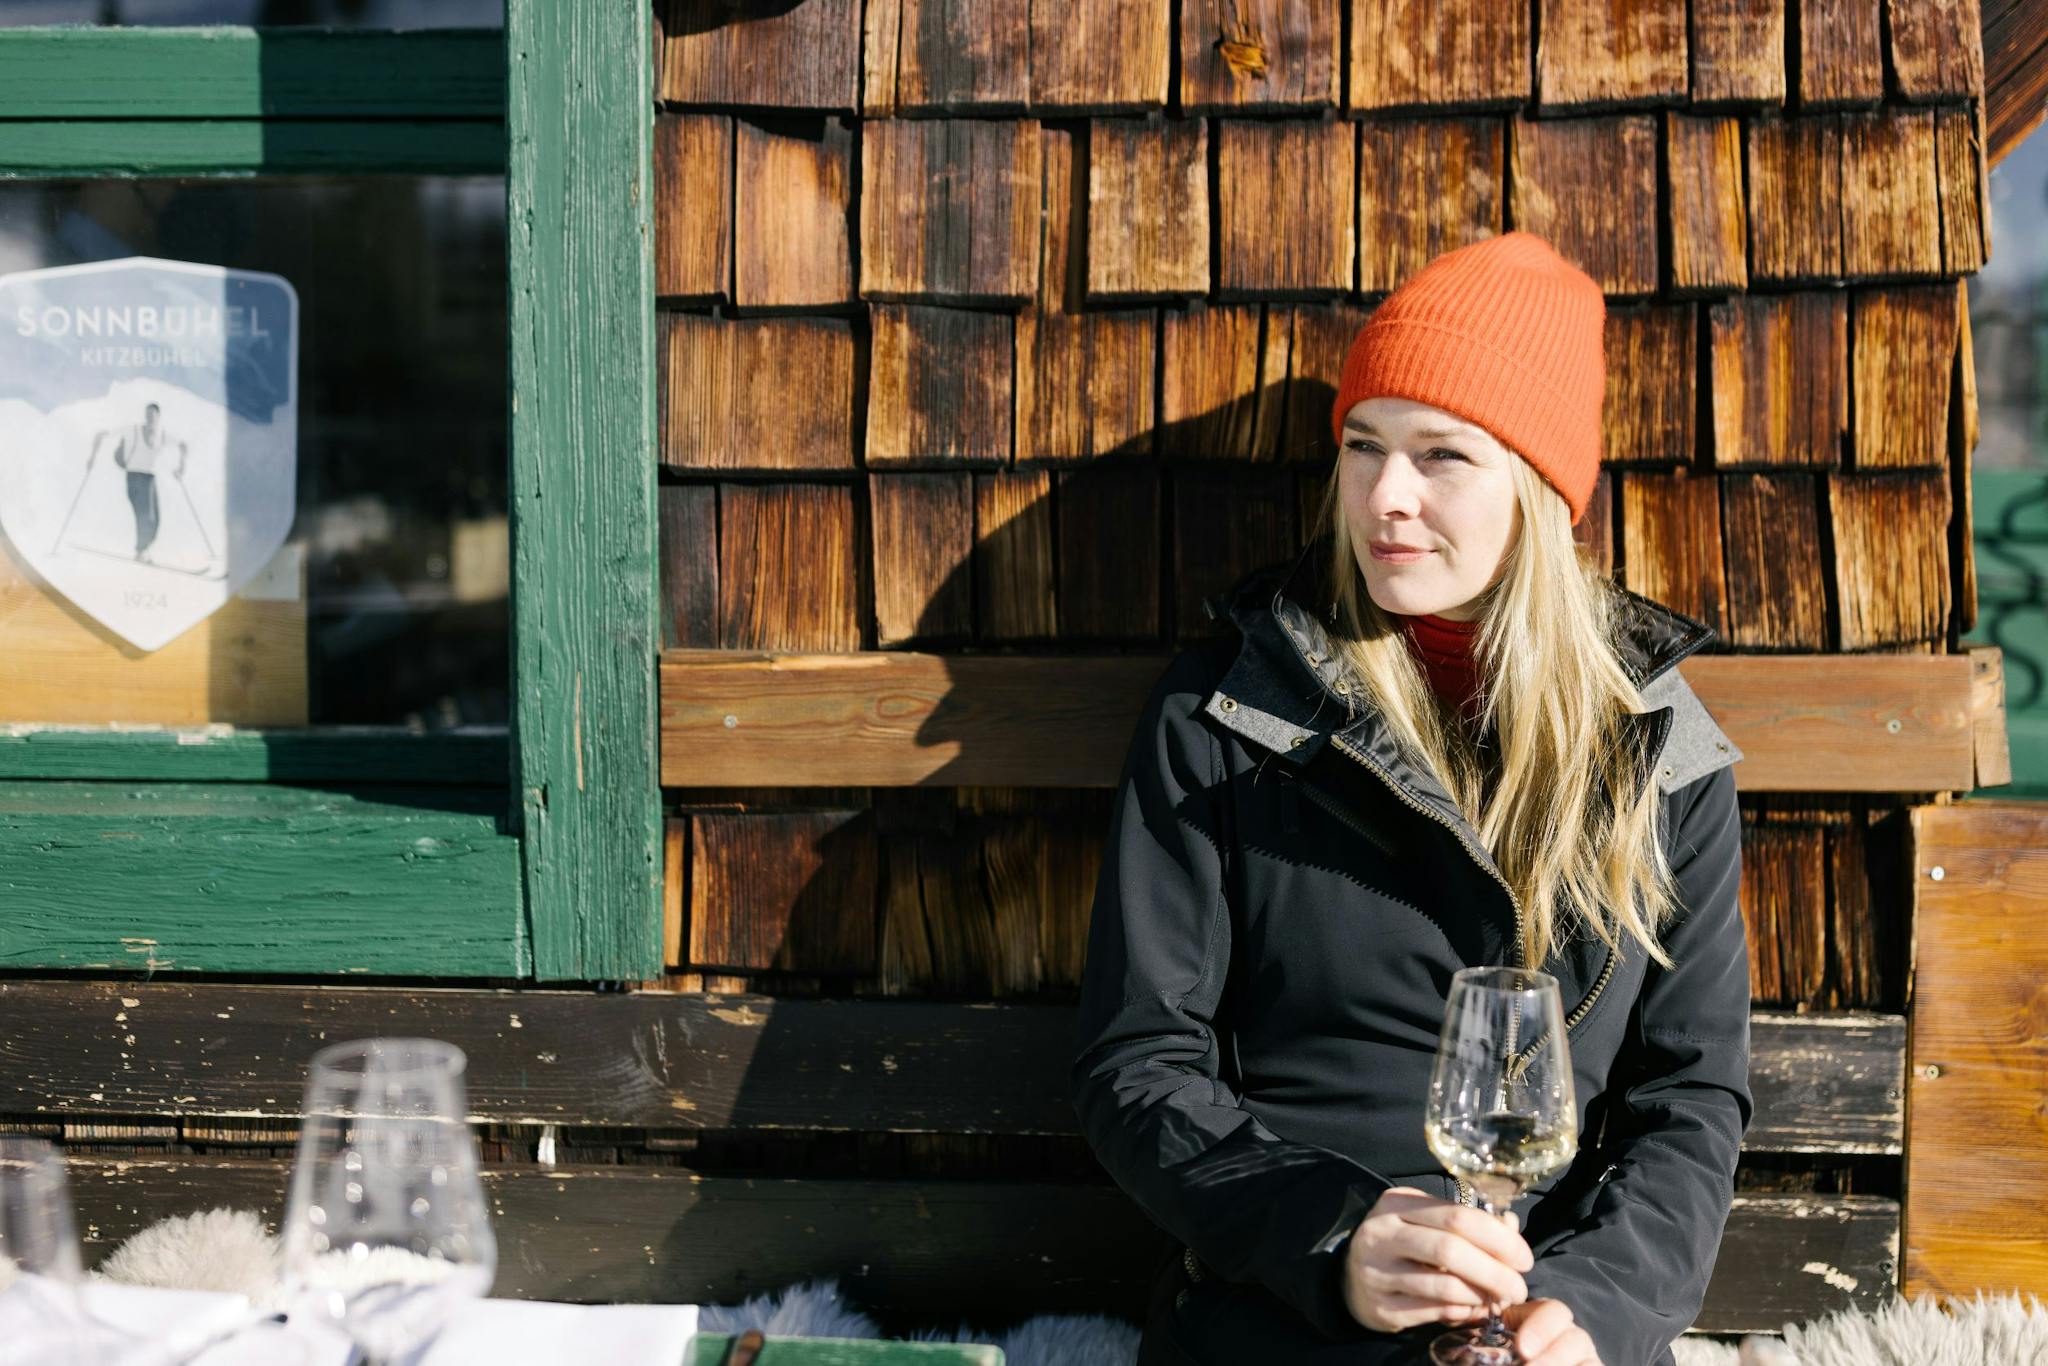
(1405, 1311)
(1400, 1276)
(1480, 1229)
(1449, 1249)
(1546, 1334)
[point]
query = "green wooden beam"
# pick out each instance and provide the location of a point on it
(245, 73)
(259, 879)
(579, 124)
(198, 147)
(222, 754)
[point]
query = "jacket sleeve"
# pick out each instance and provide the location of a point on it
(1146, 1081)
(1634, 1269)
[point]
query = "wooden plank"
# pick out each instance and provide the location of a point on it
(1937, 51)
(1425, 186)
(2015, 76)
(919, 240)
(1979, 1062)
(73, 148)
(790, 891)
(1671, 542)
(693, 206)
(471, 756)
(1084, 384)
(1148, 208)
(1225, 523)
(923, 545)
(1961, 176)
(1648, 413)
(243, 877)
(1795, 197)
(1784, 907)
(77, 72)
(689, 566)
(1771, 533)
(1265, 54)
(1458, 52)
(1891, 558)
(1222, 385)
(582, 330)
(1891, 202)
(1606, 55)
(1100, 56)
(675, 873)
(1780, 377)
(788, 568)
(1806, 723)
(1866, 911)
(715, 412)
(1013, 558)
(1904, 349)
(939, 386)
(801, 56)
(1108, 517)
(1994, 755)
(1709, 218)
(683, 1061)
(792, 187)
(1284, 203)
(1738, 52)
(580, 1234)
(1840, 53)
(1588, 185)
(934, 56)
(1315, 363)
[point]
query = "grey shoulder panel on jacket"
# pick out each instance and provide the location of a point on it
(1697, 745)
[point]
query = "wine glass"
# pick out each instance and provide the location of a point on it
(1501, 1115)
(42, 1318)
(386, 1230)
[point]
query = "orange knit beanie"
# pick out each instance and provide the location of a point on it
(1505, 333)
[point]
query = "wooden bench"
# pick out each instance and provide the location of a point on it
(659, 1066)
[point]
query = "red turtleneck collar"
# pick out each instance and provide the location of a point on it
(1447, 651)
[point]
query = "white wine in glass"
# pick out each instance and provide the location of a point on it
(1501, 1114)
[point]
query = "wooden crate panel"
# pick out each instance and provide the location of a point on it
(804, 55)
(1109, 518)
(1148, 208)
(1284, 203)
(1013, 557)
(1222, 395)
(920, 238)
(1891, 558)
(1425, 186)
(1225, 524)
(939, 386)
(715, 412)
(1418, 55)
(1738, 51)
(1937, 50)
(693, 205)
(1671, 543)
(793, 891)
(1771, 528)
(1780, 376)
(923, 542)
(1905, 349)
(1891, 205)
(1588, 185)
(946, 55)
(1084, 384)
(1605, 55)
(792, 186)
(1795, 197)
(1841, 52)
(788, 567)
(1100, 55)
(1648, 413)
(689, 565)
(1265, 54)
(1709, 218)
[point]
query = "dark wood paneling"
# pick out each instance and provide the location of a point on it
(1961, 172)
(1285, 196)
(945, 55)
(2015, 74)
(1709, 216)
(1738, 51)
(1258, 54)
(1891, 203)
(1904, 348)
(1225, 524)
(1323, 333)
(1457, 52)
(1605, 55)
(1891, 558)
(1780, 387)
(1671, 543)
(1784, 904)
(788, 567)
(689, 566)
(1109, 567)
(693, 205)
(1148, 208)
(1776, 578)
(1937, 50)
(919, 239)
(792, 189)
(1795, 197)
(939, 386)
(1425, 186)
(715, 412)
(1013, 560)
(1100, 55)
(789, 891)
(1652, 379)
(923, 542)
(1589, 185)
(1084, 384)
(794, 56)
(1221, 388)
(1841, 52)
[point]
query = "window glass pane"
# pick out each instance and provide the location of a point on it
(386, 14)
(387, 603)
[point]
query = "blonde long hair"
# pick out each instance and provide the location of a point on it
(1555, 692)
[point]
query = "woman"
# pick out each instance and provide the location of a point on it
(1438, 739)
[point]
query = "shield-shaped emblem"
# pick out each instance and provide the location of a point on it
(148, 434)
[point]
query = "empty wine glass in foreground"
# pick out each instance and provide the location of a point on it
(386, 1231)
(42, 1320)
(1501, 1114)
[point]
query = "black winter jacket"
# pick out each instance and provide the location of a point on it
(1282, 902)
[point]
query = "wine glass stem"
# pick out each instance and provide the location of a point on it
(1494, 1333)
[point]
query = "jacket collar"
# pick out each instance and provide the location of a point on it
(1289, 691)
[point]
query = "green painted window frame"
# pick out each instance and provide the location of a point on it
(531, 853)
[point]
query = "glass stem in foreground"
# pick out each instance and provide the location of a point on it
(1494, 1332)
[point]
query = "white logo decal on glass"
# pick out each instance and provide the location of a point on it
(149, 416)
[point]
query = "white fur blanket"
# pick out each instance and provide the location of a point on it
(229, 1250)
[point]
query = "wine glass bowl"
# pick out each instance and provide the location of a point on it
(1501, 1114)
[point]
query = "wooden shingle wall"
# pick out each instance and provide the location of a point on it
(1013, 328)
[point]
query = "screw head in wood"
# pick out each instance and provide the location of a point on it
(1937, 872)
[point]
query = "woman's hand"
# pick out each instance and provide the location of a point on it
(1417, 1259)
(1545, 1335)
